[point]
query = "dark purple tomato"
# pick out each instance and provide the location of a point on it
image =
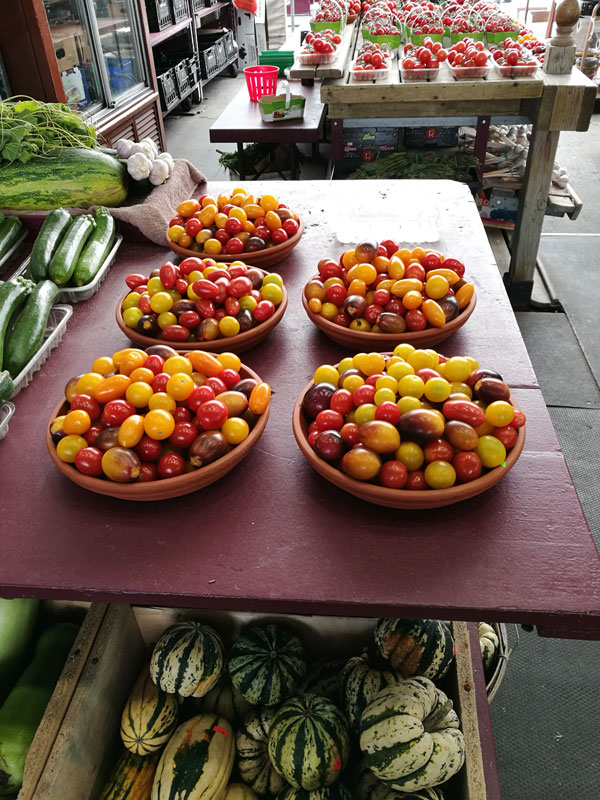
(162, 350)
(179, 306)
(391, 322)
(420, 425)
(354, 306)
(148, 325)
(329, 445)
(461, 435)
(246, 320)
(207, 447)
(490, 389)
(255, 243)
(245, 386)
(449, 306)
(480, 373)
(317, 398)
(255, 276)
(107, 439)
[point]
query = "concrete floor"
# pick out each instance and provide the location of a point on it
(545, 714)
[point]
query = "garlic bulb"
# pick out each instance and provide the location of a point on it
(159, 172)
(167, 158)
(139, 166)
(123, 148)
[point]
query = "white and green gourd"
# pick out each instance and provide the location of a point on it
(361, 682)
(188, 659)
(149, 717)
(367, 787)
(252, 753)
(416, 646)
(324, 678)
(336, 791)
(489, 643)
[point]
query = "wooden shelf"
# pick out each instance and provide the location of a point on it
(205, 12)
(167, 33)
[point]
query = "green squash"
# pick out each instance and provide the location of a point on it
(416, 646)
(187, 659)
(253, 762)
(149, 717)
(337, 791)
(367, 787)
(324, 678)
(360, 684)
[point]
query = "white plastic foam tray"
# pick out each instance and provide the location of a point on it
(77, 294)
(14, 248)
(6, 412)
(55, 330)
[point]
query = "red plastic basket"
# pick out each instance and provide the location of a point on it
(261, 80)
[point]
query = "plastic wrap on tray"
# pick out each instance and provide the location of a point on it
(469, 73)
(6, 412)
(313, 59)
(517, 70)
(370, 73)
(55, 330)
(419, 74)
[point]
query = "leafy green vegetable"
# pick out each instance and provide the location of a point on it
(31, 128)
(429, 164)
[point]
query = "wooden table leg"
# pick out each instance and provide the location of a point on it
(532, 205)
(241, 167)
(480, 146)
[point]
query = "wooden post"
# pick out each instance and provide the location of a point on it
(560, 50)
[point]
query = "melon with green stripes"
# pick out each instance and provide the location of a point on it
(187, 659)
(367, 787)
(224, 699)
(239, 791)
(309, 742)
(267, 664)
(196, 763)
(410, 737)
(253, 762)
(361, 682)
(336, 791)
(323, 678)
(149, 717)
(489, 643)
(416, 646)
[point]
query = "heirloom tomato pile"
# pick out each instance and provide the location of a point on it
(411, 420)
(147, 415)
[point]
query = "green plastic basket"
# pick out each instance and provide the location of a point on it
(276, 58)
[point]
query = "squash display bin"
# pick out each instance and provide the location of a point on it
(120, 646)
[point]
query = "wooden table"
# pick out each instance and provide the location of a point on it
(553, 103)
(273, 535)
(241, 122)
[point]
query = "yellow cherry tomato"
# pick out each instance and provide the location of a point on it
(412, 300)
(162, 400)
(384, 396)
(370, 363)
(420, 359)
(88, 383)
(401, 287)
(249, 303)
(437, 390)
(357, 287)
(139, 393)
(207, 215)
(175, 232)
(229, 361)
(229, 326)
(349, 259)
(364, 413)
(273, 277)
(103, 365)
(329, 310)
(440, 475)
(259, 398)
(387, 382)
(498, 414)
(352, 382)
(132, 359)
(269, 202)
(203, 235)
(364, 272)
(436, 287)
(238, 213)
(411, 455)
(180, 386)
(161, 301)
(188, 207)
(326, 374)
(464, 295)
(360, 325)
(402, 350)
(130, 301)
(411, 385)
(165, 319)
(175, 364)
(491, 451)
(399, 370)
(273, 220)
(154, 285)
(434, 313)
(158, 424)
(221, 219)
(77, 421)
(237, 198)
(69, 446)
(131, 431)
(254, 211)
(457, 368)
(213, 246)
(235, 430)
(131, 316)
(272, 292)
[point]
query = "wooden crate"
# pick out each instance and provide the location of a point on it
(87, 739)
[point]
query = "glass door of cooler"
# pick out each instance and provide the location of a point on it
(98, 51)
(4, 87)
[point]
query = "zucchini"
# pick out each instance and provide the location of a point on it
(24, 707)
(25, 338)
(67, 253)
(96, 249)
(52, 231)
(10, 229)
(13, 294)
(17, 624)
(7, 387)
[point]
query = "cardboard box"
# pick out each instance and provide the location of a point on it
(366, 144)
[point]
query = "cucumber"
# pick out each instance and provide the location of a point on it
(17, 624)
(10, 229)
(67, 253)
(96, 249)
(13, 294)
(52, 231)
(25, 338)
(7, 387)
(24, 707)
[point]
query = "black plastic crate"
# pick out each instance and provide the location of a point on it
(159, 14)
(194, 69)
(167, 88)
(217, 39)
(182, 76)
(180, 9)
(197, 5)
(208, 62)
(432, 136)
(229, 43)
(220, 53)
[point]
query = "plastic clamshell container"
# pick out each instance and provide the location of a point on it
(312, 59)
(55, 330)
(370, 74)
(419, 74)
(470, 73)
(517, 70)
(14, 248)
(6, 412)
(336, 26)
(77, 294)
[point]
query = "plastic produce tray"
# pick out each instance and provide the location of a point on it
(518, 70)
(370, 74)
(13, 249)
(311, 59)
(55, 330)
(421, 74)
(470, 73)
(6, 412)
(77, 294)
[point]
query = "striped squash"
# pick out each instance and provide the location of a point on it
(253, 762)
(149, 717)
(239, 791)
(267, 664)
(489, 643)
(225, 700)
(132, 778)
(337, 791)
(197, 761)
(409, 736)
(188, 659)
(309, 742)
(323, 678)
(416, 646)
(367, 787)
(360, 684)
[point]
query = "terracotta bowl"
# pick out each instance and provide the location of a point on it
(167, 487)
(231, 344)
(399, 498)
(260, 258)
(359, 340)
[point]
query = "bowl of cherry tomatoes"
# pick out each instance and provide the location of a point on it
(409, 429)
(154, 424)
(228, 227)
(378, 294)
(201, 304)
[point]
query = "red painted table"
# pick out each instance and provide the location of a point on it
(273, 535)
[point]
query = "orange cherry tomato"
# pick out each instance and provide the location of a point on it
(188, 207)
(401, 287)
(433, 313)
(131, 430)
(464, 295)
(205, 363)
(159, 423)
(142, 374)
(77, 421)
(259, 398)
(357, 287)
(132, 360)
(111, 388)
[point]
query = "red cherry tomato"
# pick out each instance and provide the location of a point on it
(84, 402)
(416, 480)
(415, 320)
(199, 395)
(181, 414)
(415, 271)
(234, 246)
(390, 247)
(388, 411)
(148, 449)
(155, 363)
(290, 226)
(144, 304)
(190, 264)
(135, 280)
(341, 401)
(189, 319)
(329, 268)
(350, 433)
(393, 474)
(92, 433)
(181, 285)
(518, 419)
(264, 309)
(212, 415)
(159, 384)
(455, 265)
(438, 450)
(171, 465)
(507, 435)
(89, 461)
(279, 236)
(240, 286)
(116, 411)
(328, 420)
(233, 226)
(176, 221)
(205, 288)
(183, 434)
(148, 472)
(205, 307)
(467, 466)
(229, 377)
(193, 227)
(175, 333)
(168, 274)
(216, 384)
(465, 411)
(363, 394)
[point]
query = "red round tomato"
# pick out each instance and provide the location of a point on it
(233, 226)
(234, 246)
(230, 377)
(148, 449)
(190, 319)
(328, 420)
(415, 320)
(181, 414)
(116, 411)
(388, 411)
(192, 227)
(264, 309)
(205, 307)
(455, 265)
(416, 480)
(199, 395)
(171, 465)
(507, 435)
(438, 450)
(183, 434)
(155, 363)
(88, 461)
(336, 293)
(415, 271)
(290, 226)
(159, 384)
(240, 286)
(350, 433)
(341, 401)
(363, 394)
(467, 466)
(518, 419)
(216, 384)
(393, 475)
(279, 236)
(148, 472)
(212, 415)
(222, 236)
(84, 402)
(232, 306)
(92, 433)
(329, 268)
